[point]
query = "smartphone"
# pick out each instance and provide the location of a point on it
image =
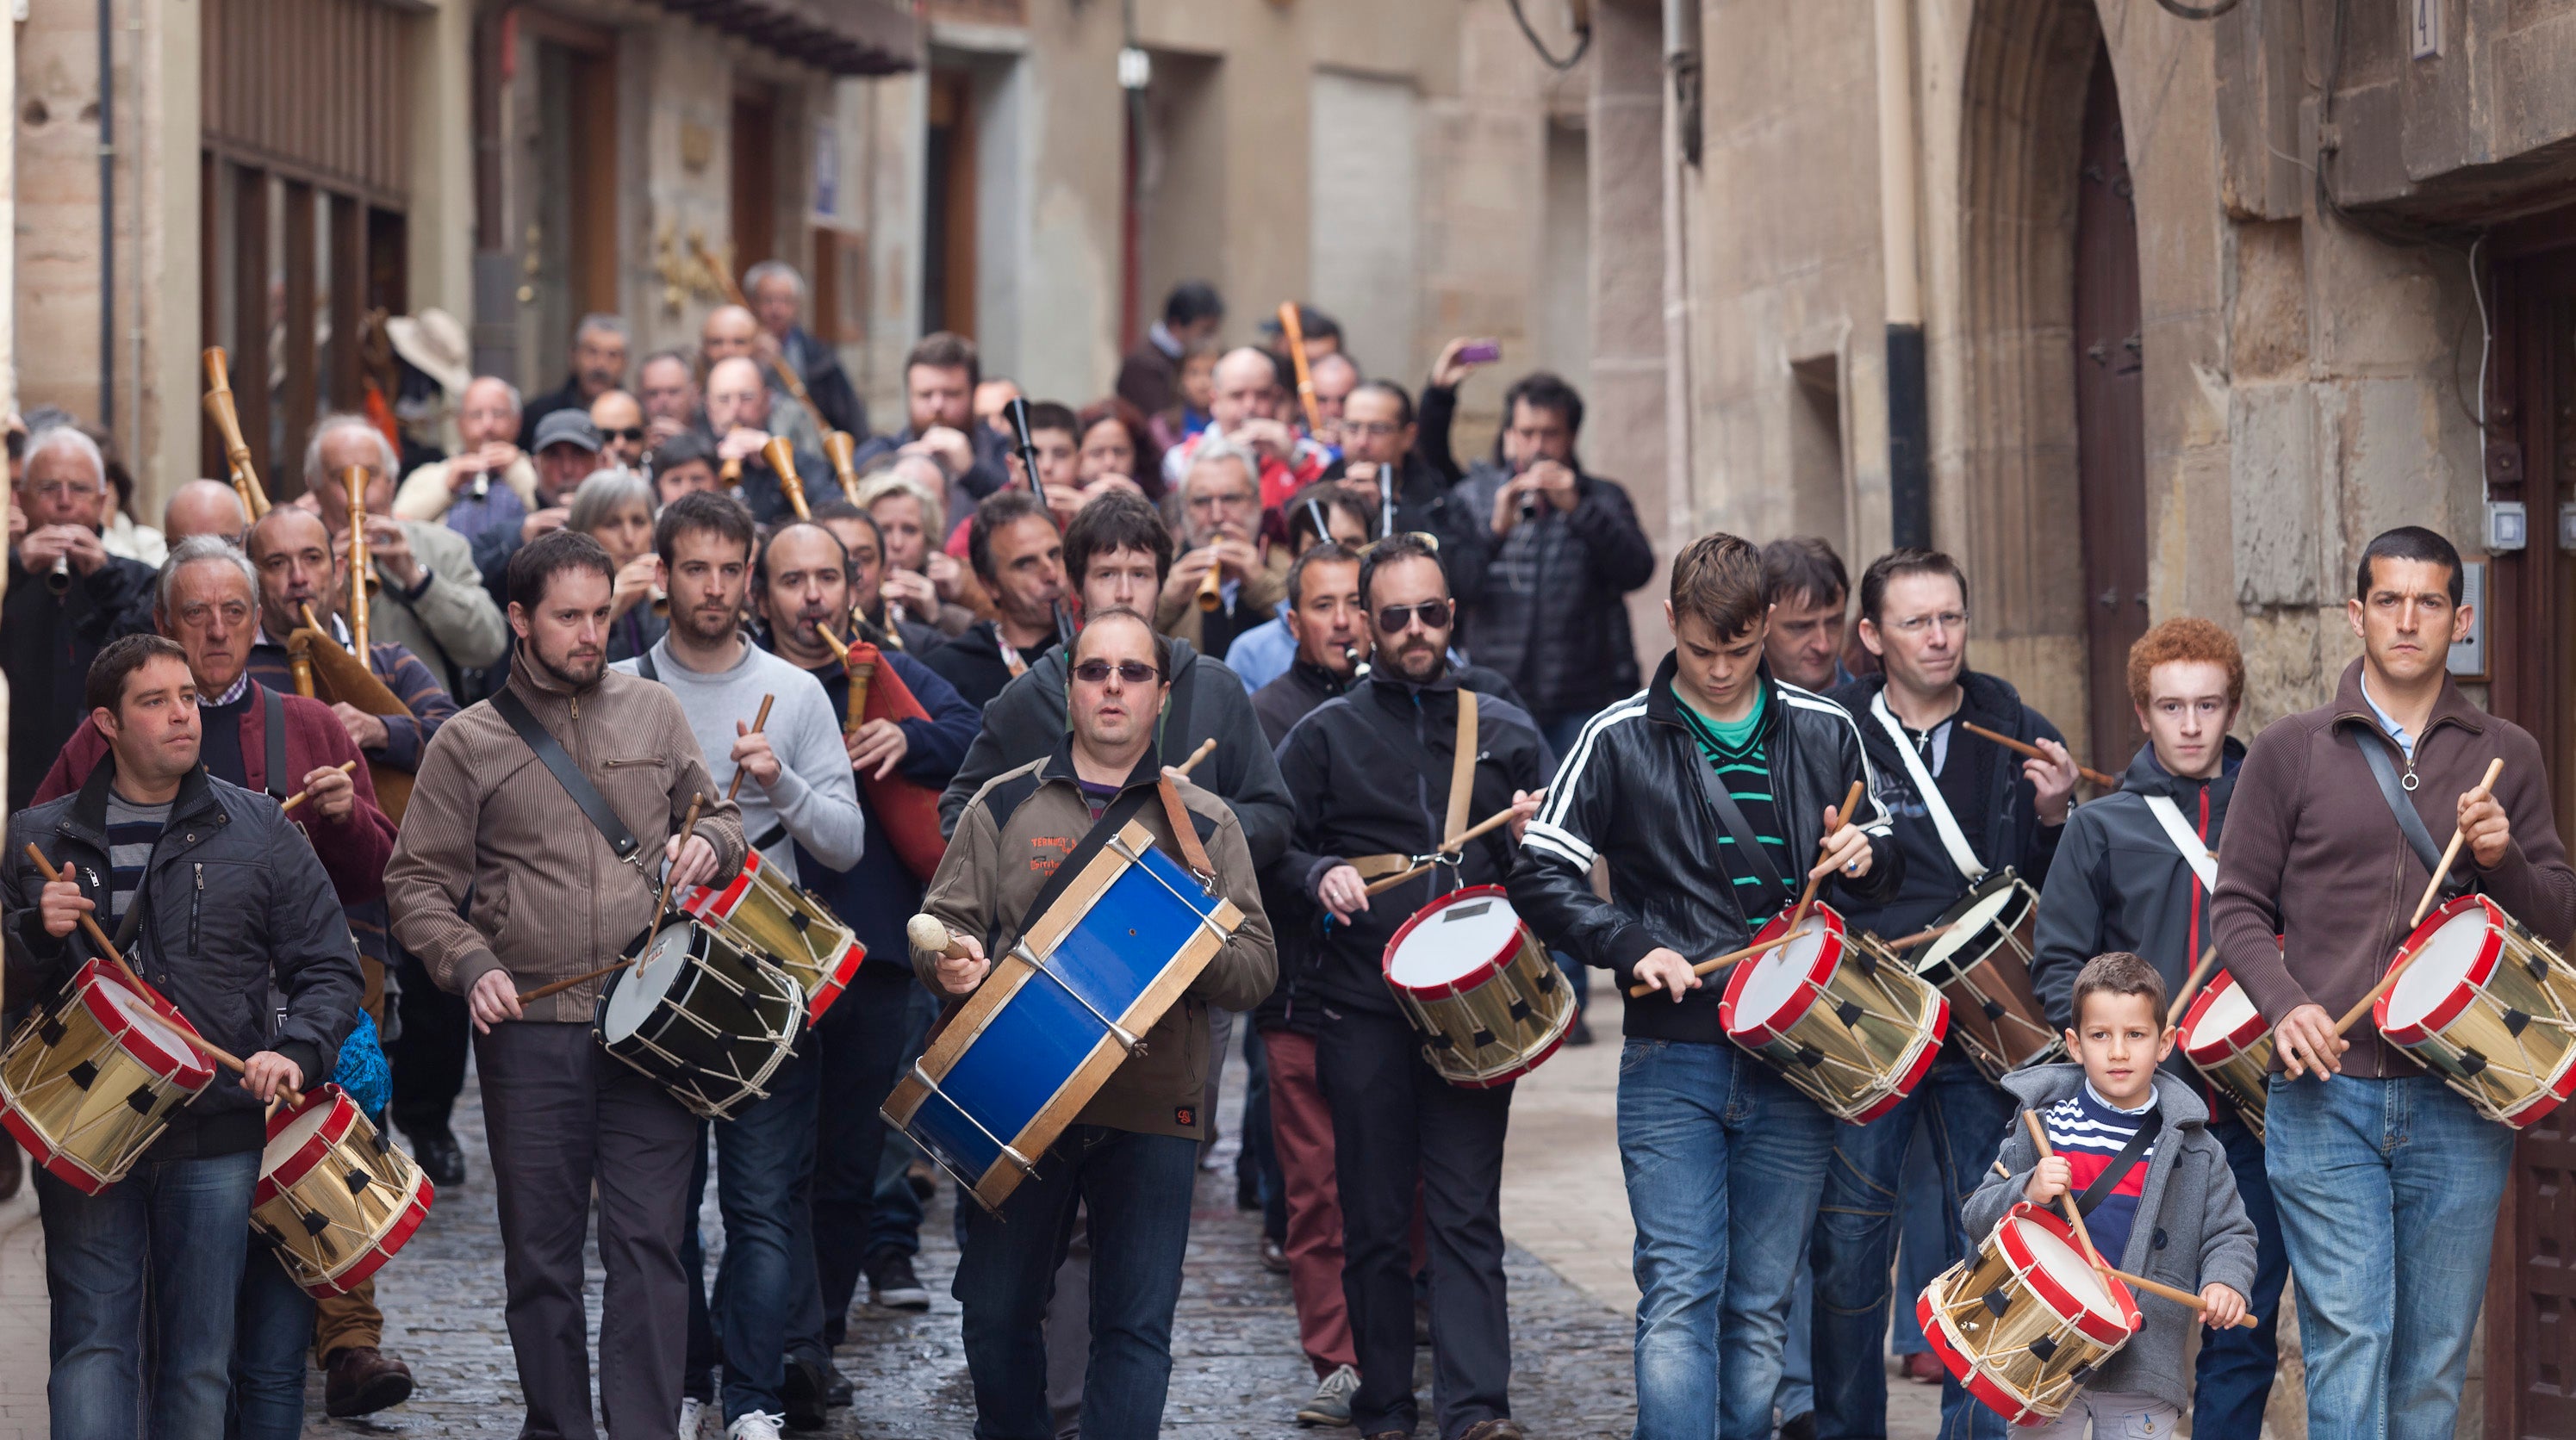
(1481, 352)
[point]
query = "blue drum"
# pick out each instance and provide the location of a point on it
(1059, 1012)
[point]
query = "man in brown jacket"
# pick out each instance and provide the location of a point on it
(1131, 1153)
(2387, 1181)
(553, 898)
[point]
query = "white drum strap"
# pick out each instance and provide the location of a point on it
(1944, 823)
(2178, 830)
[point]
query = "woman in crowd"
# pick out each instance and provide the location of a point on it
(930, 585)
(1116, 449)
(615, 508)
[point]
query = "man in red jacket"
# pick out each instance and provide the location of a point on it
(208, 600)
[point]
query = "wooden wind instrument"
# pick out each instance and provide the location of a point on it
(730, 474)
(782, 459)
(326, 672)
(362, 567)
(733, 295)
(219, 408)
(839, 448)
(1211, 593)
(1293, 334)
(854, 714)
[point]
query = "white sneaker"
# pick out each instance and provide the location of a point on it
(758, 1425)
(692, 1416)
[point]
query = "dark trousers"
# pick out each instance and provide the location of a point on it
(1397, 1124)
(1137, 1190)
(429, 1060)
(859, 1050)
(272, 1330)
(562, 1116)
(894, 1222)
(764, 1160)
(2233, 1381)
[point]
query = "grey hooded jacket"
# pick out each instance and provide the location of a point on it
(2191, 1229)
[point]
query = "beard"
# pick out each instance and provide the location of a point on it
(577, 671)
(1419, 661)
(703, 628)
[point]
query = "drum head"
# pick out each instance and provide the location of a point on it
(2213, 1030)
(635, 992)
(2459, 952)
(1453, 939)
(147, 1034)
(1972, 930)
(1767, 994)
(2067, 1281)
(300, 1128)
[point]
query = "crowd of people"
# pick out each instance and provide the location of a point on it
(1254, 603)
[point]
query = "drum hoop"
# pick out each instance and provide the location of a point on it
(379, 1249)
(2236, 1041)
(715, 906)
(301, 1161)
(1485, 970)
(1992, 935)
(1919, 1067)
(191, 1071)
(2070, 1311)
(2480, 969)
(1833, 940)
(1972, 1377)
(42, 1149)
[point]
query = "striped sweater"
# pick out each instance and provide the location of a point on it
(2090, 1132)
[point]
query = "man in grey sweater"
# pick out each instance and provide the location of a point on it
(797, 786)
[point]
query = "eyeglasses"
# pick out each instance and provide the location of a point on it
(1134, 672)
(631, 432)
(1222, 501)
(1435, 615)
(66, 490)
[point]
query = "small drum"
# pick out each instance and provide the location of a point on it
(1473, 979)
(1982, 966)
(90, 1081)
(762, 911)
(709, 1019)
(2026, 1321)
(2225, 1037)
(2490, 1007)
(1088, 979)
(335, 1198)
(1836, 1013)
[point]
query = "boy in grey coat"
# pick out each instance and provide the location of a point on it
(2185, 1225)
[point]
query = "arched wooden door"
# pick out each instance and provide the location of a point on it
(2110, 421)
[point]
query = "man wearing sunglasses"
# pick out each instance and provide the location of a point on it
(1371, 772)
(1131, 1154)
(619, 418)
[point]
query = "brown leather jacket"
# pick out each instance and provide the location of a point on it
(550, 899)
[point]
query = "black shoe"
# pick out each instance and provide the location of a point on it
(1247, 1190)
(803, 1393)
(923, 1179)
(840, 1394)
(439, 1156)
(1799, 1427)
(1579, 1033)
(892, 1283)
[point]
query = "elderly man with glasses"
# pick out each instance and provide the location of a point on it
(1220, 531)
(67, 598)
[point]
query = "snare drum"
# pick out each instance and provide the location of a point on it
(2026, 1321)
(335, 1199)
(1981, 964)
(709, 1019)
(1838, 1014)
(1088, 979)
(89, 1082)
(763, 911)
(1473, 979)
(2225, 1037)
(2490, 1007)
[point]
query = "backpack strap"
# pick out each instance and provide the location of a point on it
(567, 774)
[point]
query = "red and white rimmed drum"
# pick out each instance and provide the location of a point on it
(1839, 1014)
(2225, 1037)
(89, 1081)
(1478, 985)
(335, 1199)
(2489, 1007)
(764, 912)
(2026, 1321)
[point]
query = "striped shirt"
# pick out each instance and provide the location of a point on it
(132, 831)
(1735, 751)
(2090, 1132)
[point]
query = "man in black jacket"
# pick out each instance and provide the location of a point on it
(2134, 872)
(1015, 549)
(1563, 547)
(52, 634)
(1370, 771)
(1725, 1160)
(1379, 435)
(134, 846)
(939, 379)
(598, 366)
(1964, 807)
(777, 295)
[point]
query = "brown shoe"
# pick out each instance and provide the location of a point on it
(1499, 1429)
(363, 1380)
(1925, 1368)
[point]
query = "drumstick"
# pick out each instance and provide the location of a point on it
(2451, 852)
(2066, 1199)
(2191, 987)
(107, 947)
(2179, 1297)
(1842, 819)
(1918, 937)
(1293, 335)
(1481, 827)
(1719, 962)
(661, 904)
(1206, 748)
(757, 722)
(930, 936)
(2021, 747)
(344, 767)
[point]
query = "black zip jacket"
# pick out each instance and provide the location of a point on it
(1551, 616)
(1370, 773)
(46, 644)
(1283, 702)
(973, 663)
(2013, 834)
(235, 903)
(1636, 791)
(1026, 722)
(1422, 503)
(2119, 884)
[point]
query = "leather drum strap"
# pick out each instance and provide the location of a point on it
(1185, 833)
(2376, 749)
(1928, 790)
(2178, 830)
(1462, 772)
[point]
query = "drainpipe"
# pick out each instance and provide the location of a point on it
(1681, 127)
(1909, 413)
(106, 217)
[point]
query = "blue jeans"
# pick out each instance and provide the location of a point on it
(2388, 1192)
(858, 1046)
(2234, 1378)
(1724, 1163)
(1137, 1189)
(179, 1229)
(895, 1224)
(1926, 1242)
(272, 1331)
(1855, 1244)
(764, 1165)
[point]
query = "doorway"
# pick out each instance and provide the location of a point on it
(948, 206)
(2110, 420)
(755, 180)
(572, 243)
